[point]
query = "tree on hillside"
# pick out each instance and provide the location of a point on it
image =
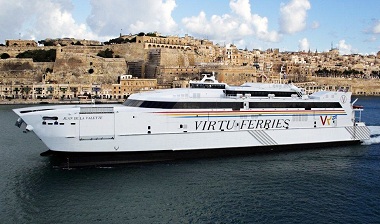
(106, 53)
(39, 55)
(120, 40)
(46, 42)
(4, 56)
(25, 90)
(151, 34)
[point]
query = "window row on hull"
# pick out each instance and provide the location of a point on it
(306, 105)
(228, 105)
(183, 105)
(260, 93)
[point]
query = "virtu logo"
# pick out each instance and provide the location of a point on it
(327, 119)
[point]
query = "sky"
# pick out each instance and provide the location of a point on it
(352, 26)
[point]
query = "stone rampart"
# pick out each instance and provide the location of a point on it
(84, 68)
(177, 57)
(357, 86)
(17, 70)
(129, 51)
(90, 50)
(13, 51)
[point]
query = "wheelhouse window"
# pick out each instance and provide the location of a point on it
(259, 93)
(306, 105)
(183, 105)
(207, 86)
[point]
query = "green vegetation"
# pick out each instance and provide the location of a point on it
(39, 55)
(4, 56)
(25, 90)
(151, 35)
(46, 42)
(375, 74)
(120, 40)
(106, 54)
(350, 73)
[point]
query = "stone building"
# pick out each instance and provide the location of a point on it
(237, 75)
(170, 42)
(20, 43)
(129, 85)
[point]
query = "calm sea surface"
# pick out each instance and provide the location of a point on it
(329, 185)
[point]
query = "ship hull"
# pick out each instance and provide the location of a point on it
(187, 141)
(99, 159)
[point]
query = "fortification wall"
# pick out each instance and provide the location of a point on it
(129, 51)
(177, 57)
(358, 86)
(90, 50)
(13, 51)
(17, 70)
(84, 68)
(15, 64)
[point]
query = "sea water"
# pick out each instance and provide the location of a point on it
(325, 185)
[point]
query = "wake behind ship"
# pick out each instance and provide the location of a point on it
(207, 119)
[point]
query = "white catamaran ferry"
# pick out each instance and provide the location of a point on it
(209, 118)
